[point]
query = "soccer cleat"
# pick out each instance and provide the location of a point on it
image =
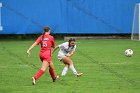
(79, 74)
(33, 81)
(55, 78)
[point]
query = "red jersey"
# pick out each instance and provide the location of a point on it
(46, 44)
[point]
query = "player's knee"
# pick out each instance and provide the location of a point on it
(43, 69)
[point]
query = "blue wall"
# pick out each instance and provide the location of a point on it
(68, 16)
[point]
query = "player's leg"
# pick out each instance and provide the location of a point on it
(45, 65)
(67, 60)
(52, 72)
(64, 72)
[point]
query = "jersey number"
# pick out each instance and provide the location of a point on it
(44, 44)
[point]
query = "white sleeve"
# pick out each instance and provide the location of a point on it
(61, 46)
(74, 48)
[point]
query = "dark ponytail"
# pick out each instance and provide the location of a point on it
(46, 29)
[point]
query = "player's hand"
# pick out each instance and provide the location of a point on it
(28, 52)
(67, 55)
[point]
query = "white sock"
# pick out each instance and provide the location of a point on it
(73, 69)
(64, 72)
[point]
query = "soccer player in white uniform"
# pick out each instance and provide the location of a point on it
(67, 49)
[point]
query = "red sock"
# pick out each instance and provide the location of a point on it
(52, 73)
(39, 74)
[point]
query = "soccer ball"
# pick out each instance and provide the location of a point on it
(128, 52)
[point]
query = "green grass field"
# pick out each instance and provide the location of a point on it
(105, 68)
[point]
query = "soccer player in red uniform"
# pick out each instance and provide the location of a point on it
(46, 41)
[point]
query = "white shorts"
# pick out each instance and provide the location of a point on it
(60, 57)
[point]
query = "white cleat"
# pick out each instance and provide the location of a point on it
(79, 74)
(33, 81)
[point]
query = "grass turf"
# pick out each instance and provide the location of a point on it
(105, 68)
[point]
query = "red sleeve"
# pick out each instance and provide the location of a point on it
(53, 42)
(39, 40)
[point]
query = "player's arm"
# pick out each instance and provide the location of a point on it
(55, 49)
(61, 46)
(70, 54)
(31, 47)
(53, 43)
(52, 48)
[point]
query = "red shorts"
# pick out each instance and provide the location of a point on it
(45, 56)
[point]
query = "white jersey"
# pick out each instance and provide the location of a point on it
(65, 49)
